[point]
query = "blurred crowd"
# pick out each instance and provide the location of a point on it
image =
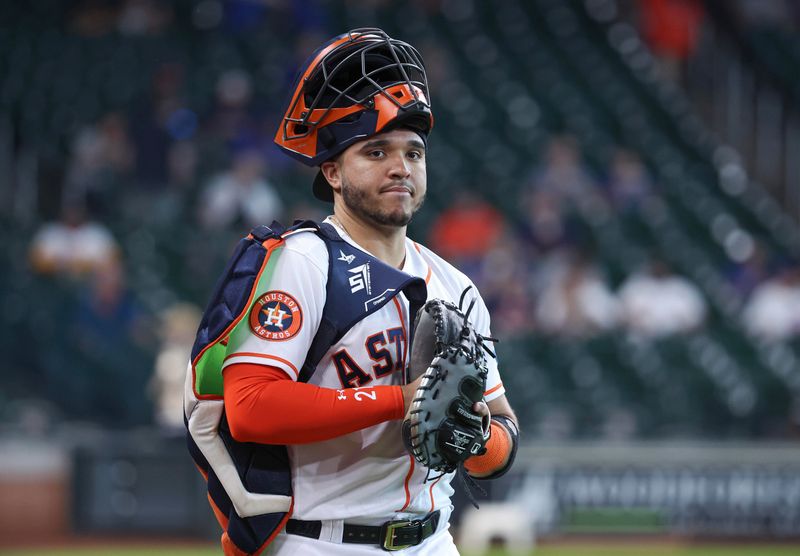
(151, 199)
(541, 274)
(538, 270)
(141, 205)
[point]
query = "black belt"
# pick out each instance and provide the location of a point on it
(392, 535)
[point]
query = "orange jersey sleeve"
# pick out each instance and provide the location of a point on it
(264, 405)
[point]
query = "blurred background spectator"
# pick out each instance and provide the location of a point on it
(240, 196)
(464, 232)
(547, 221)
(629, 183)
(97, 366)
(563, 173)
(155, 119)
(177, 326)
(746, 275)
(73, 246)
(503, 278)
(671, 28)
(102, 162)
(773, 309)
(575, 300)
(657, 302)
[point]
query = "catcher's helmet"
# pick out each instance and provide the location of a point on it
(356, 85)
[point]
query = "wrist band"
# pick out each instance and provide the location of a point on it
(502, 443)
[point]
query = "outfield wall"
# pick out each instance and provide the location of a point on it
(688, 488)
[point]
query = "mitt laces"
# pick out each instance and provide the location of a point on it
(482, 340)
(467, 482)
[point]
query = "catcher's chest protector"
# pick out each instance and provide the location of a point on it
(249, 485)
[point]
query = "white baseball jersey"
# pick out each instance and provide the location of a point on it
(366, 476)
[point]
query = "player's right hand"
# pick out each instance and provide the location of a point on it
(409, 390)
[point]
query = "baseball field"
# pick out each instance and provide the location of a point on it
(603, 548)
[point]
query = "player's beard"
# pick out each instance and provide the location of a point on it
(358, 201)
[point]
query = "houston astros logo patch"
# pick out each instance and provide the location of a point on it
(276, 315)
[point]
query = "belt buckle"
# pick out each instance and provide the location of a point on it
(388, 534)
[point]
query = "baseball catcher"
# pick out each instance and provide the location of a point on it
(301, 386)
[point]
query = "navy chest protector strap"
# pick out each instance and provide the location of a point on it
(249, 484)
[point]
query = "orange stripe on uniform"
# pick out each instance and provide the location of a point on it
(264, 356)
(403, 325)
(203, 473)
(221, 517)
(430, 491)
(430, 270)
(405, 485)
(493, 389)
(271, 242)
(278, 529)
(230, 549)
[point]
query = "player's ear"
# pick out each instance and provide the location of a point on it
(332, 171)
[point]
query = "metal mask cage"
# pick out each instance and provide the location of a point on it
(380, 63)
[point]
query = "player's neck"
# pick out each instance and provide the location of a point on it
(386, 243)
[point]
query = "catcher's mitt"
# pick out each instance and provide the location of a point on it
(441, 430)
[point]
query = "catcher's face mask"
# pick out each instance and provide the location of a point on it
(355, 86)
